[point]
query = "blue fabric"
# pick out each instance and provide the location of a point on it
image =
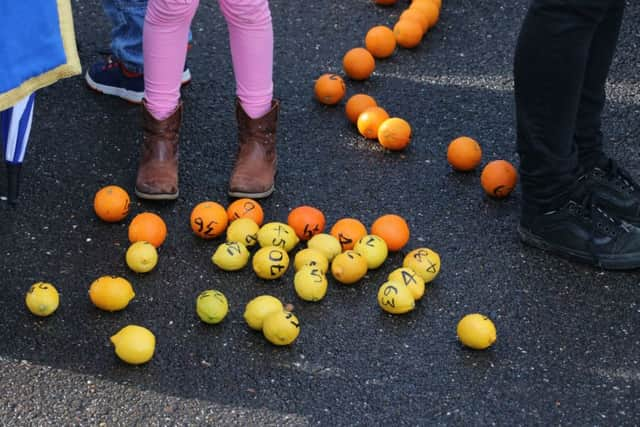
(28, 28)
(23, 131)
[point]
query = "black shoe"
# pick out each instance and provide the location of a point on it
(583, 231)
(614, 190)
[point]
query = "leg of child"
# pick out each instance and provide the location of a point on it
(251, 43)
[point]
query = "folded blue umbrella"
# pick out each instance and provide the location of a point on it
(37, 48)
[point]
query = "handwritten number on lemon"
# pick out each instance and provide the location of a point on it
(293, 322)
(391, 301)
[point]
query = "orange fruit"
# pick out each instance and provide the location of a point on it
(147, 227)
(394, 134)
(416, 15)
(357, 104)
(245, 208)
(380, 41)
(329, 89)
(370, 120)
(111, 203)
(358, 63)
(498, 178)
(306, 221)
(348, 231)
(408, 33)
(464, 154)
(385, 2)
(436, 2)
(393, 229)
(209, 219)
(428, 8)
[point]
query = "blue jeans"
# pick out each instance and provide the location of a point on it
(127, 20)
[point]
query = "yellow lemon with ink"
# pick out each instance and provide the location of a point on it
(327, 244)
(412, 280)
(212, 306)
(374, 250)
(260, 307)
(395, 298)
(424, 261)
(134, 344)
(277, 234)
(281, 327)
(310, 283)
(312, 258)
(231, 256)
(348, 267)
(270, 262)
(476, 331)
(111, 293)
(42, 299)
(243, 230)
(141, 257)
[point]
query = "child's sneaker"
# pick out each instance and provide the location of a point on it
(112, 78)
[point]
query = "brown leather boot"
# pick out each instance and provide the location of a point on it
(254, 172)
(158, 168)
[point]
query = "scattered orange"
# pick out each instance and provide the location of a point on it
(385, 2)
(393, 229)
(111, 203)
(357, 104)
(209, 219)
(306, 221)
(464, 153)
(394, 133)
(428, 8)
(416, 15)
(408, 33)
(329, 89)
(380, 41)
(370, 120)
(245, 208)
(348, 231)
(147, 227)
(436, 2)
(358, 63)
(499, 178)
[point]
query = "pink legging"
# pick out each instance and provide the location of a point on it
(166, 31)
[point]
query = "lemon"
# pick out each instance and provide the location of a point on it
(373, 249)
(212, 306)
(277, 234)
(270, 262)
(423, 261)
(348, 267)
(395, 298)
(258, 308)
(281, 327)
(42, 299)
(142, 257)
(476, 331)
(231, 256)
(111, 293)
(243, 230)
(134, 344)
(325, 243)
(410, 279)
(310, 284)
(312, 258)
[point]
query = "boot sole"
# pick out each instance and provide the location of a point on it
(149, 196)
(262, 195)
(128, 95)
(607, 262)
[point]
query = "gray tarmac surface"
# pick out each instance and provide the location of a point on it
(568, 337)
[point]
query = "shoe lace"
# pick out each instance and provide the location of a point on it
(110, 63)
(621, 177)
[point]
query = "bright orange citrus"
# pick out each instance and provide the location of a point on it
(306, 221)
(245, 208)
(428, 8)
(380, 41)
(348, 231)
(416, 15)
(209, 219)
(357, 104)
(394, 134)
(358, 63)
(464, 153)
(111, 203)
(329, 89)
(393, 229)
(499, 178)
(370, 120)
(408, 33)
(148, 227)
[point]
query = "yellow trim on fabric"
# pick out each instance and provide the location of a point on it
(71, 68)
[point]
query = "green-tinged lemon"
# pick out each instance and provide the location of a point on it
(42, 299)
(231, 256)
(111, 293)
(348, 267)
(310, 283)
(423, 261)
(243, 230)
(325, 243)
(476, 331)
(277, 234)
(395, 298)
(258, 308)
(412, 280)
(142, 257)
(281, 327)
(270, 262)
(312, 258)
(374, 250)
(212, 306)
(134, 344)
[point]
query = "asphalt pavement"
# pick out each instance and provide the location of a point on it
(568, 337)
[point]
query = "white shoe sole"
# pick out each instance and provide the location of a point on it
(128, 95)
